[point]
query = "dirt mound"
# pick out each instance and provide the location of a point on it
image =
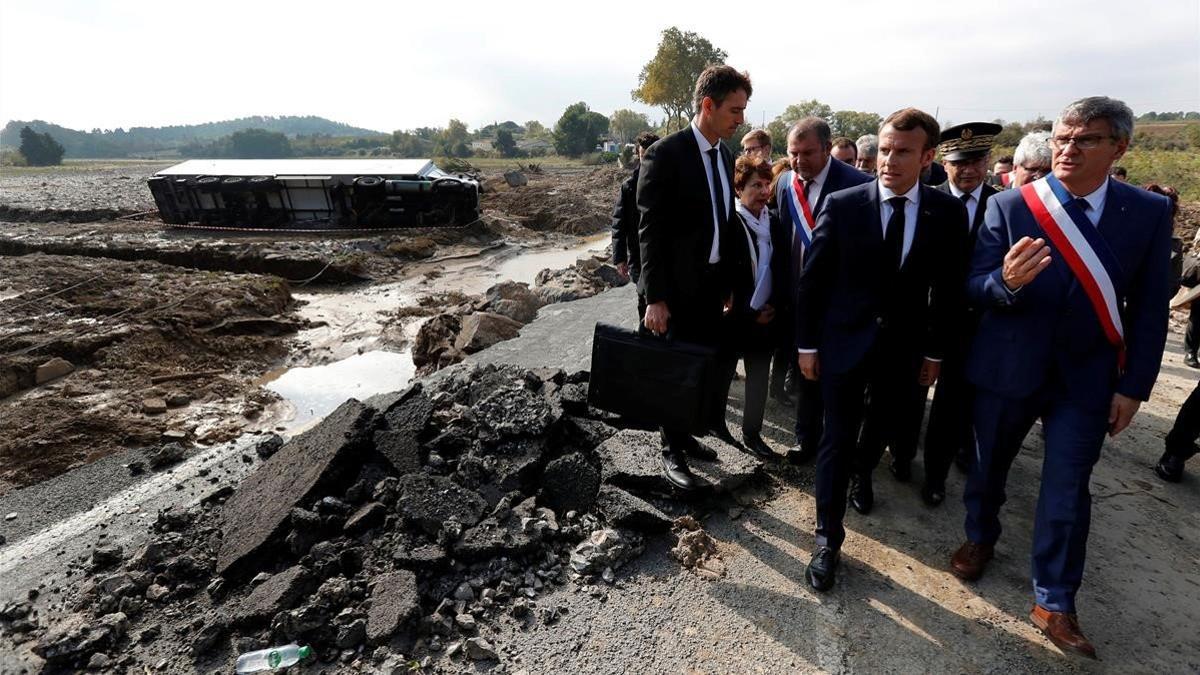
(118, 326)
(576, 204)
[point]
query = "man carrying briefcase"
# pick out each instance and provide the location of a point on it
(687, 239)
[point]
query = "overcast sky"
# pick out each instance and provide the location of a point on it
(399, 65)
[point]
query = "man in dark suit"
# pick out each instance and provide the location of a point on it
(688, 240)
(627, 255)
(814, 175)
(965, 150)
(878, 301)
(1071, 274)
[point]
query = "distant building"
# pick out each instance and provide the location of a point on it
(483, 145)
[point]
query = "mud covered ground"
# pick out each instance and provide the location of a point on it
(88, 276)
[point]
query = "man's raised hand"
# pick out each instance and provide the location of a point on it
(1024, 261)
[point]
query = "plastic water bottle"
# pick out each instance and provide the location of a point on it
(270, 659)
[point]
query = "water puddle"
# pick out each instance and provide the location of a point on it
(316, 391)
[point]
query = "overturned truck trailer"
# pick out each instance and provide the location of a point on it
(313, 194)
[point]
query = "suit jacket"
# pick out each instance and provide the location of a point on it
(1049, 327)
(846, 294)
(986, 193)
(747, 333)
(841, 176)
(676, 230)
(625, 219)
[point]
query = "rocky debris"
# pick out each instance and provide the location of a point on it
(394, 600)
(399, 441)
(71, 643)
(178, 399)
(516, 178)
(154, 406)
(514, 300)
(412, 248)
(435, 502)
(696, 550)
(570, 483)
(587, 277)
(631, 460)
(268, 446)
(409, 524)
(481, 330)
(263, 501)
(434, 347)
(53, 369)
(603, 550)
(106, 556)
(622, 509)
(165, 455)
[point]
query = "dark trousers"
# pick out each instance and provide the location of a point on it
(641, 307)
(893, 416)
(1191, 336)
(810, 411)
(758, 366)
(1181, 440)
(950, 430)
(887, 372)
(783, 365)
(1074, 432)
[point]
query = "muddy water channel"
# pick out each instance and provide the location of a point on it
(347, 355)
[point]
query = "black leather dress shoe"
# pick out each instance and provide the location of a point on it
(822, 568)
(800, 454)
(721, 432)
(902, 470)
(862, 493)
(1190, 360)
(677, 473)
(756, 446)
(1170, 467)
(933, 495)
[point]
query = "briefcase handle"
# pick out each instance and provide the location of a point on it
(644, 332)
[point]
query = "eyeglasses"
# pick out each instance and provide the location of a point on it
(1038, 171)
(1089, 142)
(752, 149)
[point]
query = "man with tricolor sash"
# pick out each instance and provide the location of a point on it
(1071, 274)
(800, 195)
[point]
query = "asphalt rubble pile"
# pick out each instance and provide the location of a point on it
(478, 322)
(400, 531)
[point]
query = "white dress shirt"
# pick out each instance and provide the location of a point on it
(1095, 201)
(910, 214)
(714, 255)
(972, 204)
(817, 185)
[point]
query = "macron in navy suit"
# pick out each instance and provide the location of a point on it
(1041, 351)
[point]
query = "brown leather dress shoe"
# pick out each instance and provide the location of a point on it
(968, 561)
(1063, 630)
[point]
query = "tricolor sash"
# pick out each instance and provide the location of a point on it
(799, 211)
(1081, 247)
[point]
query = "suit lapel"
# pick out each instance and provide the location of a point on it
(984, 195)
(922, 227)
(698, 164)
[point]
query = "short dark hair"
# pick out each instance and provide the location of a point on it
(1007, 159)
(808, 125)
(1120, 171)
(718, 82)
(646, 139)
(843, 142)
(907, 119)
(748, 167)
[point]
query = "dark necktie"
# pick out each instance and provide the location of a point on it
(1084, 205)
(965, 197)
(721, 204)
(893, 239)
(805, 185)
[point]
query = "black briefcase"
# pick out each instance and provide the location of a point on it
(652, 379)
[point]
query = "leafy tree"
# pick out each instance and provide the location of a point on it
(259, 144)
(505, 144)
(408, 144)
(578, 130)
(453, 141)
(668, 80)
(40, 149)
(854, 123)
(535, 129)
(625, 125)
